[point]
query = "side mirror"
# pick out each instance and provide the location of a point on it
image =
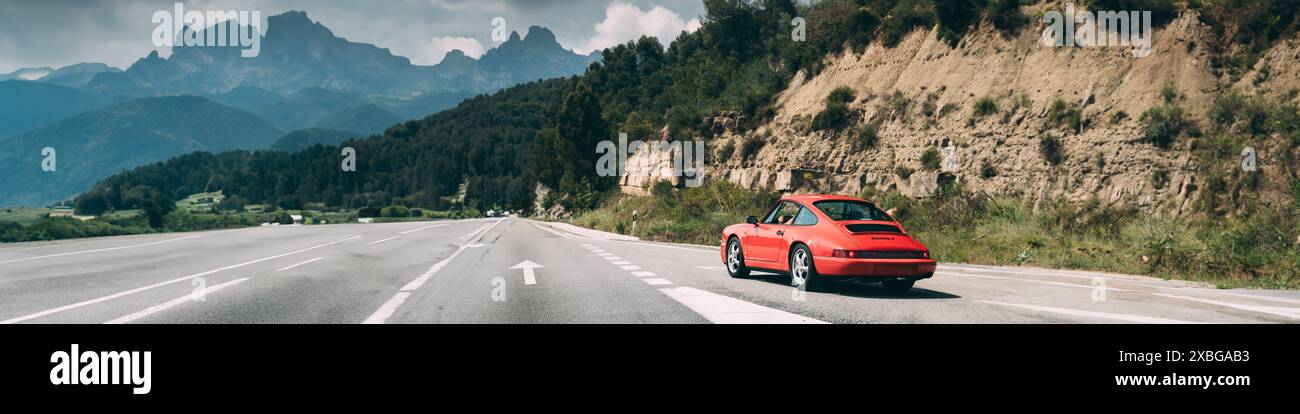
(751, 220)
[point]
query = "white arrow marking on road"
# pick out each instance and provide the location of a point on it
(528, 266)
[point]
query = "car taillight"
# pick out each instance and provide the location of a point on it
(847, 253)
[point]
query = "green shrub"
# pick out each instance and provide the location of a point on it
(1164, 124)
(903, 172)
(1063, 114)
(930, 159)
(867, 138)
(836, 113)
(984, 107)
(987, 170)
(1049, 146)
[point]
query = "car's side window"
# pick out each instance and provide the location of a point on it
(783, 214)
(805, 218)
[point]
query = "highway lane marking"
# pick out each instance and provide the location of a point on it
(621, 263)
(1293, 313)
(718, 268)
(165, 283)
(657, 281)
(643, 273)
(106, 249)
(630, 267)
(1149, 283)
(604, 254)
(1091, 314)
(387, 309)
(727, 310)
(552, 231)
(613, 258)
(422, 228)
(173, 303)
(299, 264)
(383, 240)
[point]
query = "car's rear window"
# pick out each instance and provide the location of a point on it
(847, 210)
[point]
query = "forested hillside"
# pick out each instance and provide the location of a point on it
(737, 63)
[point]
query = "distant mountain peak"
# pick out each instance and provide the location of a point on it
(514, 37)
(539, 35)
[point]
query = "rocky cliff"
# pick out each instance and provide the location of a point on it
(922, 94)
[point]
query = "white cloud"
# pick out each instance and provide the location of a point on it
(436, 49)
(624, 22)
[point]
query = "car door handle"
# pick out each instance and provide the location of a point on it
(780, 232)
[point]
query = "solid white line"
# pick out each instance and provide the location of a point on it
(299, 264)
(1091, 314)
(723, 309)
(657, 281)
(422, 228)
(557, 233)
(172, 303)
(177, 280)
(383, 240)
(107, 249)
(419, 281)
(630, 267)
(643, 274)
(1293, 313)
(387, 309)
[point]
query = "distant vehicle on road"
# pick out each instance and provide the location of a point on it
(814, 238)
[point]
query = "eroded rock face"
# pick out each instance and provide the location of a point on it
(921, 94)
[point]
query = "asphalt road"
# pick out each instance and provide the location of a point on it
(515, 270)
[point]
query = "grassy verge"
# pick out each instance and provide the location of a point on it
(1254, 251)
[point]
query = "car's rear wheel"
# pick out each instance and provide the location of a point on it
(898, 285)
(803, 272)
(736, 259)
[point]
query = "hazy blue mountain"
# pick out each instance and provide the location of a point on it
(298, 53)
(116, 85)
(77, 75)
(368, 119)
(305, 138)
(27, 105)
(27, 74)
(304, 108)
(99, 143)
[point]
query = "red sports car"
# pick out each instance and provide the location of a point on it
(813, 238)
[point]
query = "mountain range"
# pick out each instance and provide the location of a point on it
(103, 119)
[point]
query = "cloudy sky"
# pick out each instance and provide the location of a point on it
(55, 33)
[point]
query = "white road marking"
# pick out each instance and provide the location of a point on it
(383, 240)
(172, 303)
(630, 267)
(552, 231)
(723, 309)
(621, 263)
(613, 258)
(718, 268)
(177, 280)
(643, 274)
(299, 264)
(107, 249)
(604, 254)
(1091, 314)
(1293, 313)
(528, 267)
(422, 228)
(657, 281)
(387, 309)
